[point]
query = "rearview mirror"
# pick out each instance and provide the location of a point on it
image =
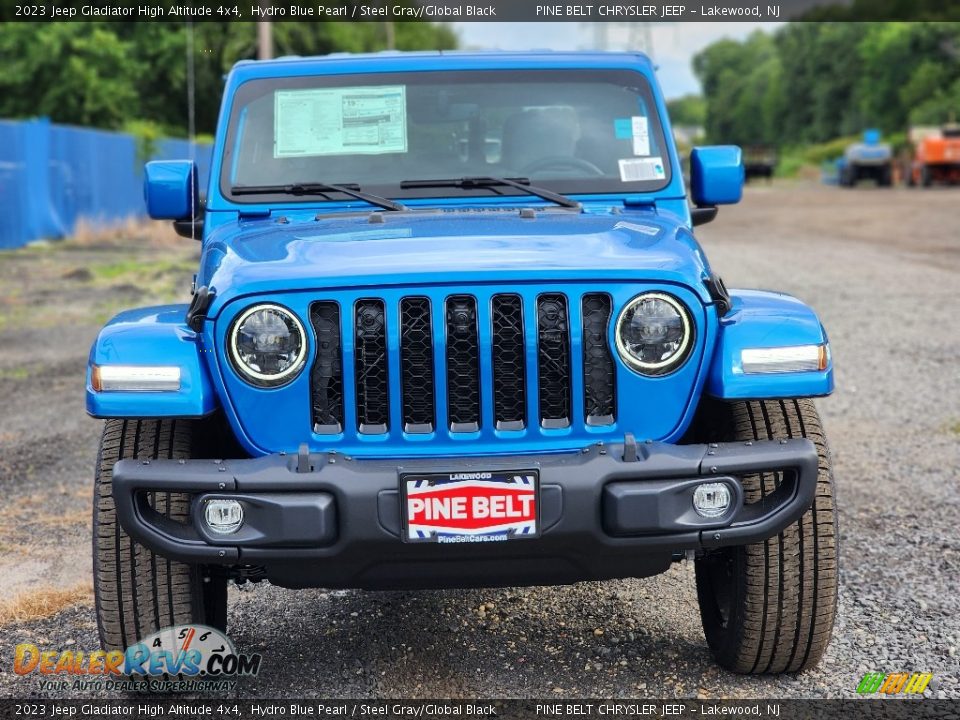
(716, 175)
(170, 189)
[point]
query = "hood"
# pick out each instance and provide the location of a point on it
(411, 248)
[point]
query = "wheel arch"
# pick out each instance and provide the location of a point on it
(761, 319)
(152, 336)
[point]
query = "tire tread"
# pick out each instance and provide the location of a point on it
(138, 592)
(786, 594)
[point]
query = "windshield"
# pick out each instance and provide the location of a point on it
(571, 131)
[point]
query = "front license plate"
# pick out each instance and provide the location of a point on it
(465, 507)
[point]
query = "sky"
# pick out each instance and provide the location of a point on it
(674, 44)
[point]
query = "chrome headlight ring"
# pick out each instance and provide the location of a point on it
(665, 324)
(290, 360)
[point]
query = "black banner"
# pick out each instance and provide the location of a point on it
(596, 11)
(919, 709)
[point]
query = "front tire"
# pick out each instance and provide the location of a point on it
(770, 607)
(136, 591)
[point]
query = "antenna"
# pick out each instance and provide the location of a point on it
(192, 126)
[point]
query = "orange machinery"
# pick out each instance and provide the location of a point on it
(936, 157)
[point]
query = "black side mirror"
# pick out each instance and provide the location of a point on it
(192, 227)
(703, 215)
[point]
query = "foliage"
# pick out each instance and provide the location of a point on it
(810, 82)
(146, 135)
(688, 110)
(108, 74)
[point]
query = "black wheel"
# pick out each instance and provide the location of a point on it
(136, 591)
(926, 176)
(770, 607)
(885, 178)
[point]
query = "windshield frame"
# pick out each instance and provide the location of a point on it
(634, 80)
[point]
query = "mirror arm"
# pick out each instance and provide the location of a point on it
(189, 227)
(192, 227)
(703, 215)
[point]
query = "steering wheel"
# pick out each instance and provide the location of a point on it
(561, 161)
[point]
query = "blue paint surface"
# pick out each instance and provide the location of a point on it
(294, 254)
(152, 336)
(761, 319)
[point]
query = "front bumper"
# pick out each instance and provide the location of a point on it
(618, 510)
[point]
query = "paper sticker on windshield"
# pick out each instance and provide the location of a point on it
(640, 169)
(623, 128)
(340, 121)
(641, 135)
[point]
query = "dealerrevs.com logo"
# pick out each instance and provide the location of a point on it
(180, 658)
(897, 683)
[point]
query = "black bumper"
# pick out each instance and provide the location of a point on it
(327, 520)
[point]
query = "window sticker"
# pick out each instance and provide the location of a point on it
(641, 135)
(640, 169)
(340, 121)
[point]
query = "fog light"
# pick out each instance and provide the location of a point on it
(223, 516)
(711, 499)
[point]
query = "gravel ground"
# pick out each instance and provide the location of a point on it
(880, 267)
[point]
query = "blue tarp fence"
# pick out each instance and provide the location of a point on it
(51, 176)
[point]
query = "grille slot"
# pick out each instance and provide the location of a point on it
(553, 360)
(327, 376)
(370, 358)
(509, 363)
(463, 364)
(599, 376)
(416, 365)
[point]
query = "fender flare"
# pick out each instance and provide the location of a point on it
(152, 336)
(760, 319)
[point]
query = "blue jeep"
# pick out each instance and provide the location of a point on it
(451, 328)
(870, 159)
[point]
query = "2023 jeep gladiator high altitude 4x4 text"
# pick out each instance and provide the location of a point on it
(451, 328)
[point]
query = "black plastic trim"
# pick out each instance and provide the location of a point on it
(326, 376)
(590, 538)
(199, 305)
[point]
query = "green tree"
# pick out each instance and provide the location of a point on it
(811, 82)
(78, 73)
(109, 74)
(742, 86)
(688, 110)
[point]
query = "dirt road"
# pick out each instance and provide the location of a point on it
(880, 266)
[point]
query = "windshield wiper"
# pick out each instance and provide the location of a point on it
(469, 183)
(299, 189)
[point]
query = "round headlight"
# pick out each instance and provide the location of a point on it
(267, 345)
(654, 333)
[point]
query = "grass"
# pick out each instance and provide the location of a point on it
(805, 160)
(96, 281)
(953, 427)
(140, 269)
(43, 602)
(17, 373)
(61, 521)
(147, 233)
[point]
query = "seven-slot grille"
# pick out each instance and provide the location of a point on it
(504, 335)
